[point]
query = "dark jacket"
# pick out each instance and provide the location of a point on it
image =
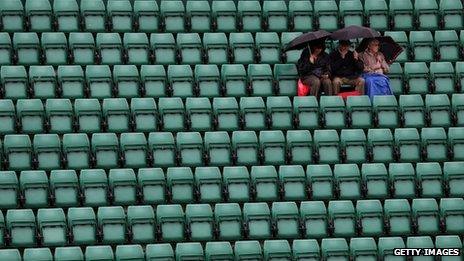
(318, 68)
(345, 67)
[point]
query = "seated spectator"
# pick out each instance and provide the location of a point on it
(346, 68)
(313, 69)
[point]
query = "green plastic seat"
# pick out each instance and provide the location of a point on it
(82, 223)
(47, 151)
(159, 251)
(314, 216)
(343, 216)
(451, 13)
(397, 213)
(293, 182)
(332, 109)
(385, 111)
(76, 151)
(199, 113)
(427, 14)
(257, 218)
(434, 144)
(443, 77)
(334, 248)
(190, 149)
(171, 221)
(190, 48)
(163, 149)
(396, 77)
(412, 109)
(326, 143)
(457, 101)
(438, 109)
(105, 149)
(55, 48)
(217, 147)
(152, 183)
(59, 114)
(65, 187)
(198, 13)
(99, 81)
(119, 15)
(249, 13)
(277, 249)
(326, 13)
(181, 184)
(6, 49)
(215, 46)
(381, 145)
(127, 81)
(109, 46)
(354, 144)
(386, 246)
(286, 76)
(208, 181)
(103, 253)
(199, 219)
(351, 12)
(43, 82)
(224, 15)
(402, 15)
(164, 47)
(68, 253)
(112, 223)
(246, 148)
(17, 152)
(301, 15)
(172, 113)
(22, 227)
(67, 16)
(402, 39)
(147, 13)
(426, 214)
(363, 248)
(134, 148)
(153, 80)
(306, 111)
(123, 185)
(234, 80)
(306, 249)
(82, 47)
(137, 48)
(290, 57)
(173, 13)
(451, 212)
(30, 114)
(129, 252)
(12, 15)
(226, 113)
(376, 13)
(280, 112)
(116, 114)
(228, 218)
(449, 242)
(455, 142)
(218, 250)
(321, 181)
(242, 46)
(273, 147)
(141, 221)
(348, 179)
(7, 116)
(144, 114)
(31, 254)
(93, 14)
(260, 79)
(268, 47)
(236, 181)
(27, 48)
(189, 251)
(370, 216)
(52, 226)
(447, 44)
(299, 147)
(9, 190)
(71, 80)
(417, 76)
(286, 218)
(360, 110)
(402, 179)
(264, 180)
(94, 186)
(375, 180)
(253, 112)
(275, 15)
(420, 242)
(208, 80)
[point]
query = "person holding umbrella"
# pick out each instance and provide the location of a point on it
(314, 68)
(346, 67)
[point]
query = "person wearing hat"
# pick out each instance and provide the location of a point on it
(313, 69)
(346, 68)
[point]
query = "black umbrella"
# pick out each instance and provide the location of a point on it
(388, 47)
(304, 40)
(353, 32)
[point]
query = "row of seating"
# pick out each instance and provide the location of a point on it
(226, 16)
(244, 250)
(235, 184)
(284, 220)
(31, 116)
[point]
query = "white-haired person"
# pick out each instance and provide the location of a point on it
(375, 68)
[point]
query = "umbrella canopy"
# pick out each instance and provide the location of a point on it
(304, 40)
(388, 47)
(353, 32)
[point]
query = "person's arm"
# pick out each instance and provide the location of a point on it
(365, 60)
(385, 66)
(335, 62)
(325, 64)
(358, 63)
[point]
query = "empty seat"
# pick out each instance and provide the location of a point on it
(306, 111)
(110, 48)
(123, 186)
(370, 216)
(199, 113)
(9, 189)
(402, 15)
(105, 148)
(152, 184)
(76, 151)
(94, 253)
(402, 179)
(164, 48)
(52, 226)
(453, 178)
(185, 251)
(434, 144)
(249, 13)
(242, 46)
(112, 224)
(171, 221)
(412, 111)
(116, 114)
(60, 116)
(245, 145)
(451, 212)
(321, 181)
(71, 81)
(64, 186)
(31, 116)
(216, 47)
(248, 250)
(397, 214)
(363, 248)
(375, 180)
(144, 114)
(199, 219)
(419, 242)
(224, 16)
(326, 13)
(450, 10)
(207, 80)
(381, 145)
(417, 76)
(217, 148)
(141, 222)
(425, 212)
(68, 253)
(172, 13)
(314, 216)
(264, 180)
(397, 77)
(228, 218)
(127, 81)
(455, 142)
(253, 113)
(137, 48)
(443, 77)
(99, 81)
(47, 151)
(55, 48)
(7, 116)
(208, 181)
(163, 149)
(190, 48)
(82, 223)
(190, 149)
(299, 147)
(306, 248)
(22, 227)
(234, 80)
(280, 112)
(154, 82)
(94, 186)
(348, 180)
(274, 249)
(268, 47)
(198, 13)
(457, 101)
(260, 80)
(93, 14)
(351, 13)
(172, 113)
(301, 13)
(448, 242)
(119, 15)
(257, 218)
(226, 114)
(181, 185)
(42, 81)
(154, 251)
(438, 109)
(12, 15)
(286, 76)
(273, 147)
(275, 15)
(333, 112)
(293, 182)
(31, 254)
(147, 13)
(215, 250)
(129, 252)
(360, 110)
(427, 14)
(354, 145)
(236, 181)
(67, 17)
(82, 48)
(377, 14)
(286, 218)
(386, 246)
(17, 152)
(291, 57)
(334, 247)
(327, 145)
(447, 44)
(134, 150)
(27, 48)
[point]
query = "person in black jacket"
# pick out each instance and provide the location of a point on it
(313, 69)
(346, 68)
